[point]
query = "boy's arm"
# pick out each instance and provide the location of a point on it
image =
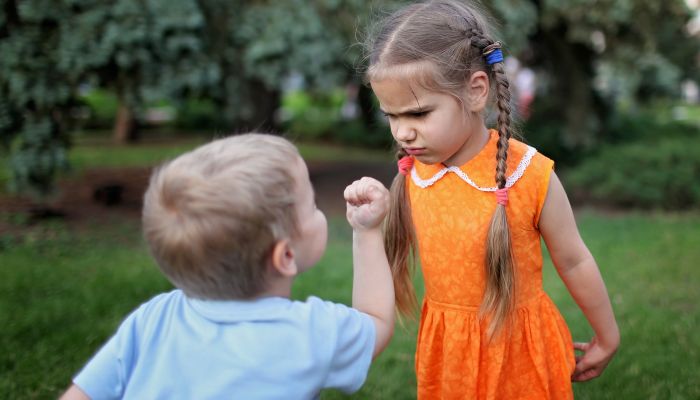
(580, 274)
(373, 287)
(74, 393)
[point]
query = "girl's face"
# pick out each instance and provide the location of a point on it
(431, 126)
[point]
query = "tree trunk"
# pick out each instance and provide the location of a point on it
(573, 101)
(266, 102)
(367, 107)
(125, 130)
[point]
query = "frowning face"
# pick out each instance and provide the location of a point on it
(429, 125)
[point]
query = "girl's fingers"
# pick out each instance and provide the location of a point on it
(580, 346)
(361, 191)
(585, 375)
(351, 193)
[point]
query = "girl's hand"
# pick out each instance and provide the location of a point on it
(367, 203)
(593, 361)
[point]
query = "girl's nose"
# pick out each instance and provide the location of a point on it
(405, 133)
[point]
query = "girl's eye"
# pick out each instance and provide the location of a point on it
(420, 114)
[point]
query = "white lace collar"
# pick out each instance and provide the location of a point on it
(510, 181)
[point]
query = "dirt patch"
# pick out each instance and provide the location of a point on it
(103, 195)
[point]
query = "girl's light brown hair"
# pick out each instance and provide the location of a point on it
(212, 216)
(440, 44)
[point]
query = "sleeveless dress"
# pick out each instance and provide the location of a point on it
(534, 359)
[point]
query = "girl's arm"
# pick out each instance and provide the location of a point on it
(580, 274)
(373, 288)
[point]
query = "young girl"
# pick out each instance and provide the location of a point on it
(473, 202)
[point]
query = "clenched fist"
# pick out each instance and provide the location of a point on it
(367, 202)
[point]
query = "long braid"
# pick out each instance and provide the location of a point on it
(499, 297)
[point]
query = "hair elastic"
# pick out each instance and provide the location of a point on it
(493, 53)
(502, 196)
(405, 164)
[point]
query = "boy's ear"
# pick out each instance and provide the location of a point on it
(478, 87)
(283, 259)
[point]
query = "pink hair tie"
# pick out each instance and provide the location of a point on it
(502, 196)
(405, 164)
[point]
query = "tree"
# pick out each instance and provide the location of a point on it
(593, 53)
(50, 47)
(132, 47)
(34, 90)
(255, 46)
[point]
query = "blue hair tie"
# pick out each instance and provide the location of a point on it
(494, 57)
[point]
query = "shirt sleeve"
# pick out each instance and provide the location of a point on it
(105, 375)
(354, 346)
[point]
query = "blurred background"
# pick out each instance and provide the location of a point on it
(94, 93)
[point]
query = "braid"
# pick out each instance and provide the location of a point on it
(499, 297)
(504, 132)
(478, 39)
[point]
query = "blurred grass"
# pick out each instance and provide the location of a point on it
(62, 293)
(91, 154)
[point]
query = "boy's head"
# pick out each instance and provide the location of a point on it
(213, 217)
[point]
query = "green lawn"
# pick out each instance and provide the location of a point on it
(63, 293)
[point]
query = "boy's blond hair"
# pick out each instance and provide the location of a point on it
(212, 215)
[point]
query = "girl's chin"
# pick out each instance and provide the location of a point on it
(426, 159)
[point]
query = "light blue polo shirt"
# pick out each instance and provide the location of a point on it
(174, 347)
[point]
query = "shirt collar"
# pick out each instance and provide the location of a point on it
(260, 309)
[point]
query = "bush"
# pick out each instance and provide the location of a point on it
(659, 172)
(102, 109)
(355, 133)
(198, 115)
(311, 115)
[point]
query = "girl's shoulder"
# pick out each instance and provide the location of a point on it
(524, 158)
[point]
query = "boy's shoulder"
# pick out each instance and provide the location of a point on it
(314, 317)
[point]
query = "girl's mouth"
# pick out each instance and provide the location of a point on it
(415, 151)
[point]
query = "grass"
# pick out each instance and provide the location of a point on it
(62, 293)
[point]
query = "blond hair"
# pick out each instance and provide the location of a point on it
(212, 215)
(439, 44)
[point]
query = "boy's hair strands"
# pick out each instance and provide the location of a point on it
(212, 215)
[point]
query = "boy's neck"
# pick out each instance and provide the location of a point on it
(278, 287)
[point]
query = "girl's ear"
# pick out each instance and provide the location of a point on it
(477, 91)
(283, 259)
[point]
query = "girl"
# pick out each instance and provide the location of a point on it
(474, 202)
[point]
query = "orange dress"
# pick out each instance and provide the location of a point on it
(534, 358)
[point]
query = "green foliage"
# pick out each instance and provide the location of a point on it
(317, 115)
(593, 57)
(37, 156)
(102, 108)
(199, 115)
(49, 48)
(356, 133)
(33, 90)
(652, 173)
(285, 37)
(312, 115)
(238, 55)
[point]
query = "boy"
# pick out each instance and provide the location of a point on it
(231, 224)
